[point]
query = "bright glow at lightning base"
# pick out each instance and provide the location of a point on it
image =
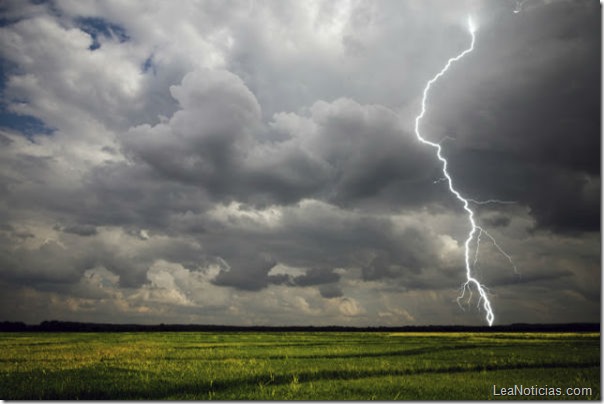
(476, 231)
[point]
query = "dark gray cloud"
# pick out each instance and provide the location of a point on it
(496, 221)
(247, 273)
(80, 230)
(330, 291)
(517, 134)
(342, 151)
(316, 276)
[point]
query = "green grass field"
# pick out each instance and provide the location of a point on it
(300, 366)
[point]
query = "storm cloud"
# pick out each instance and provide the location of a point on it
(256, 163)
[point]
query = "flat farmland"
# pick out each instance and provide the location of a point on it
(299, 366)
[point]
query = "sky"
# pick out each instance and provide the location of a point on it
(255, 162)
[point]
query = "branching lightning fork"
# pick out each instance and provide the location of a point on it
(476, 230)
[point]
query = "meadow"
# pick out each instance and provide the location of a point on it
(297, 365)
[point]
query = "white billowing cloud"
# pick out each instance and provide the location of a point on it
(349, 307)
(237, 217)
(59, 86)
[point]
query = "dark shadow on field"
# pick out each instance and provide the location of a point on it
(343, 374)
(85, 383)
(111, 383)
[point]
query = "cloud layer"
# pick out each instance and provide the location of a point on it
(256, 163)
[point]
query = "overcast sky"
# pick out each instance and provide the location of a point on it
(254, 162)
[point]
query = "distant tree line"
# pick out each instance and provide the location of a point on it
(70, 326)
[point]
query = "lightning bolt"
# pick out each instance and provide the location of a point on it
(475, 231)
